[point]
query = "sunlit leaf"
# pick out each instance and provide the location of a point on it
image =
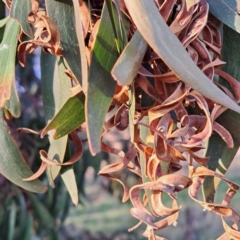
(101, 86)
(3, 22)
(56, 150)
(69, 179)
(227, 11)
(129, 62)
(12, 164)
(13, 104)
(55, 85)
(56, 90)
(190, 3)
(48, 75)
(221, 156)
(68, 176)
(20, 11)
(62, 12)
(69, 117)
(7, 59)
(158, 35)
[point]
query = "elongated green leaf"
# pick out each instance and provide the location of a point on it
(48, 68)
(20, 11)
(69, 179)
(69, 117)
(158, 35)
(12, 164)
(227, 11)
(55, 85)
(7, 59)
(53, 235)
(56, 151)
(3, 22)
(22, 213)
(221, 158)
(231, 55)
(221, 155)
(63, 205)
(124, 24)
(13, 104)
(56, 90)
(101, 86)
(12, 220)
(29, 227)
(112, 16)
(65, 210)
(62, 15)
(129, 62)
(81, 43)
(41, 212)
(68, 176)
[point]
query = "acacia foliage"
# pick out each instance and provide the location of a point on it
(151, 67)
